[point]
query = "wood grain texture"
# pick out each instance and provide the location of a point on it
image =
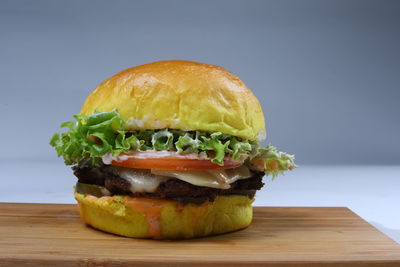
(50, 234)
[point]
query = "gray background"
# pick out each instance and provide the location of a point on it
(326, 72)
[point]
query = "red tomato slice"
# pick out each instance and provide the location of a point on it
(170, 162)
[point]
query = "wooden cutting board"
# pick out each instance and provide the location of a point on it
(50, 234)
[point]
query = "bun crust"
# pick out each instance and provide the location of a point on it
(182, 95)
(175, 220)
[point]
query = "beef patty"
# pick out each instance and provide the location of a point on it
(173, 188)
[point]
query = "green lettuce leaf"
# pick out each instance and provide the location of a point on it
(91, 137)
(272, 161)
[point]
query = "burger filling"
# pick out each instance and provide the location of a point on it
(179, 185)
(163, 163)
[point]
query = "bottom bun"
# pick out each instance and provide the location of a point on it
(165, 219)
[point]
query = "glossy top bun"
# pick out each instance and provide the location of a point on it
(181, 95)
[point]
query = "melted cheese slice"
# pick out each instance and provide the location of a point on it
(220, 179)
(140, 180)
(148, 181)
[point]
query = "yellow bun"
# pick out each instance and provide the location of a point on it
(165, 219)
(182, 95)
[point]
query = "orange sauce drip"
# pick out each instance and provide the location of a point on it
(151, 208)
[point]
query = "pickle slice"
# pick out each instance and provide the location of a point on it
(91, 189)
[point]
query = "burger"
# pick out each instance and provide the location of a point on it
(169, 150)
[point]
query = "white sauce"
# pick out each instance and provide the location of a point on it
(140, 180)
(108, 158)
(262, 135)
(159, 124)
(132, 123)
(175, 122)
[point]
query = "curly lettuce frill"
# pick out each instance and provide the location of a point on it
(91, 137)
